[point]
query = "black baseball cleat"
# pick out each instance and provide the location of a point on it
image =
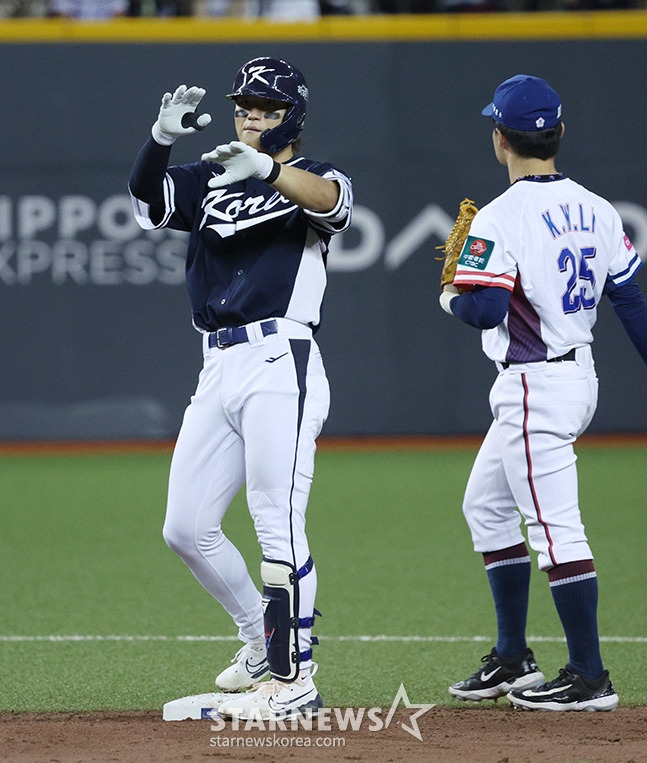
(569, 691)
(497, 677)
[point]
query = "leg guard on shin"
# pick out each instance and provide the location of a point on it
(281, 615)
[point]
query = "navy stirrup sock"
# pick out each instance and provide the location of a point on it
(508, 572)
(574, 587)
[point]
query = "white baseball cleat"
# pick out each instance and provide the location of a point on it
(249, 666)
(275, 699)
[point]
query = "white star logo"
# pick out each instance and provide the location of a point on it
(413, 729)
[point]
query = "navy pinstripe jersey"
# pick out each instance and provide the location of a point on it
(252, 253)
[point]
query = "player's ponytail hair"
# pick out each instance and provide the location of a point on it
(542, 144)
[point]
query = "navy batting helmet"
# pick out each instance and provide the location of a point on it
(280, 81)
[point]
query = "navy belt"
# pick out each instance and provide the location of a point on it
(570, 355)
(238, 334)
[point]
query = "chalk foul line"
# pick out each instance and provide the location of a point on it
(71, 638)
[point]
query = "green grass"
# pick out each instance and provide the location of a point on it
(81, 553)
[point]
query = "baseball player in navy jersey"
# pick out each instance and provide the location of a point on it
(260, 217)
(536, 263)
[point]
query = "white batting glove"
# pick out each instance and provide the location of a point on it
(177, 115)
(240, 162)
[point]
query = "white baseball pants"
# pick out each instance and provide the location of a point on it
(254, 418)
(527, 461)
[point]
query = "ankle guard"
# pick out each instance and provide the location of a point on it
(281, 616)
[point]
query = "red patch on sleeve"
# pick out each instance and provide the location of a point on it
(478, 247)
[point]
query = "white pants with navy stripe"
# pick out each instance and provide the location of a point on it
(527, 461)
(256, 413)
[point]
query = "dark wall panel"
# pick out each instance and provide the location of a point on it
(97, 340)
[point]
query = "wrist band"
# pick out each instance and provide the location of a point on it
(445, 300)
(274, 173)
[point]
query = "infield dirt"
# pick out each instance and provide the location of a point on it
(449, 735)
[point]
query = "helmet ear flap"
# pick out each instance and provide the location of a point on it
(283, 135)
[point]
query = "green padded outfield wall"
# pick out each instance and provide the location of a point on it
(96, 337)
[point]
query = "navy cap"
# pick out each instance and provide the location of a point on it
(525, 103)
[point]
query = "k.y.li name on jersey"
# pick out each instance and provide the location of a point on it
(569, 220)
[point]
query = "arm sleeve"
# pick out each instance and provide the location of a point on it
(147, 176)
(483, 308)
(631, 308)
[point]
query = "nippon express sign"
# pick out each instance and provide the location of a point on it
(77, 240)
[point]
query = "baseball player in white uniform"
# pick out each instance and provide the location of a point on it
(536, 263)
(260, 218)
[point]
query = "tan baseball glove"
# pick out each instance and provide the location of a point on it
(454, 244)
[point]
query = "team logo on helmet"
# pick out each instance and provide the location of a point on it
(256, 73)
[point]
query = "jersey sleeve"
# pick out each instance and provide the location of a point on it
(339, 218)
(485, 259)
(146, 183)
(625, 263)
(177, 202)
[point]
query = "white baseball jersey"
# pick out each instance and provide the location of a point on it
(553, 245)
